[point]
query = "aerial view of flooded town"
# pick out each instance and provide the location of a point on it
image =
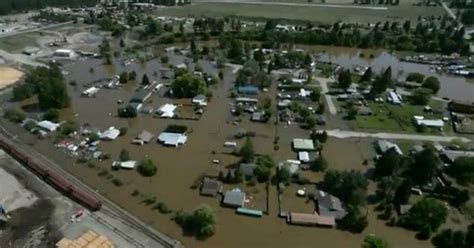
(236, 123)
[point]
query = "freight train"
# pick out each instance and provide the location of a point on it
(48, 175)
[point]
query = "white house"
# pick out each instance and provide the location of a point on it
(47, 126)
(125, 164)
(172, 139)
(65, 53)
(166, 111)
(434, 123)
(110, 134)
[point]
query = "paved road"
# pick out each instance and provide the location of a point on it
(324, 90)
(35, 29)
(351, 134)
(450, 12)
(294, 4)
(19, 58)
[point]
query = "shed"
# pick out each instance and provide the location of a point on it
(303, 145)
(234, 198)
(145, 136)
(313, 219)
(211, 187)
(303, 157)
(125, 164)
(429, 123)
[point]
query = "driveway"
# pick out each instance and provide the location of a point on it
(324, 90)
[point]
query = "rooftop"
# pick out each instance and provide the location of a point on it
(234, 198)
(303, 144)
(145, 136)
(384, 145)
(211, 187)
(172, 139)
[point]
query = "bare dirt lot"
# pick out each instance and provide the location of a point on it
(9, 76)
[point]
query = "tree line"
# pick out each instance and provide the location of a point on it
(16, 6)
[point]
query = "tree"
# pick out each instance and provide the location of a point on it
(402, 193)
(424, 166)
(14, 115)
(147, 168)
(421, 96)
(353, 221)
(371, 241)
(352, 113)
(202, 222)
(349, 186)
(388, 164)
(383, 82)
(467, 16)
(426, 212)
(310, 122)
(344, 79)
(283, 175)
(262, 173)
(424, 233)
(193, 46)
(463, 170)
(145, 80)
(247, 151)
(124, 77)
(450, 239)
(319, 164)
(124, 155)
(127, 112)
(367, 75)
(188, 85)
(432, 83)
(407, 26)
(122, 43)
(416, 77)
(51, 115)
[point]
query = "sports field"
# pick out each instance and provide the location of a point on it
(304, 11)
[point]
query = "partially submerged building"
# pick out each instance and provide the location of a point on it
(47, 126)
(166, 111)
(307, 219)
(110, 134)
(383, 145)
(328, 205)
(172, 139)
(234, 198)
(303, 145)
(141, 96)
(211, 187)
(247, 169)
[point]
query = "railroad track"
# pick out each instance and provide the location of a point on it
(108, 207)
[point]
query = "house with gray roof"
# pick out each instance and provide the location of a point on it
(211, 187)
(247, 170)
(234, 198)
(141, 96)
(328, 205)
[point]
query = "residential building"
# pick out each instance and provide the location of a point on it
(145, 136)
(313, 219)
(451, 155)
(234, 199)
(248, 90)
(65, 53)
(247, 170)
(167, 111)
(383, 145)
(433, 123)
(328, 205)
(130, 165)
(211, 187)
(172, 139)
(141, 96)
(47, 126)
(200, 100)
(110, 134)
(303, 145)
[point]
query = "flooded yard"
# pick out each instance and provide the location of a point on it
(178, 168)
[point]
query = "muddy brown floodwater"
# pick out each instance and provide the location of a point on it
(178, 168)
(453, 87)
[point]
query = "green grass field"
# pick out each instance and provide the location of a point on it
(398, 117)
(18, 42)
(302, 13)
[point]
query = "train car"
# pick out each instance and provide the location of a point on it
(59, 182)
(38, 168)
(86, 199)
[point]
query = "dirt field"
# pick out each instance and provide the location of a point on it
(9, 76)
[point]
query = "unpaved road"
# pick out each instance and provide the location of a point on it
(341, 134)
(324, 90)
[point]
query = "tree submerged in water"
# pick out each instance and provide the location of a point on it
(201, 223)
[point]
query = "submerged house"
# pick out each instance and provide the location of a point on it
(141, 96)
(248, 90)
(211, 187)
(328, 205)
(383, 145)
(172, 139)
(234, 199)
